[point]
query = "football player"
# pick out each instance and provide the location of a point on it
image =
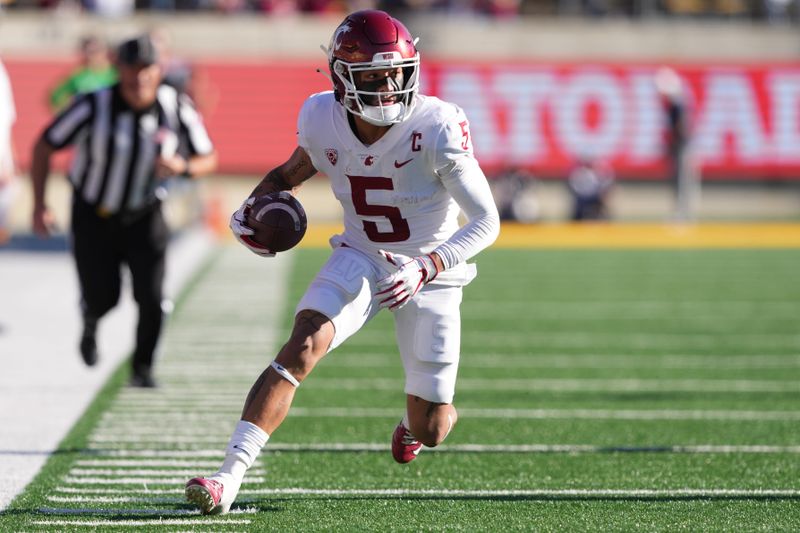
(402, 166)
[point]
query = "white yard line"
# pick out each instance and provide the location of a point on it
(479, 384)
(166, 480)
(111, 432)
(139, 523)
(99, 512)
(175, 463)
(89, 472)
(126, 490)
(589, 340)
(571, 361)
(227, 415)
(543, 448)
(643, 414)
(639, 305)
(532, 493)
(473, 448)
(96, 512)
(479, 493)
(161, 453)
(139, 423)
(97, 500)
(100, 441)
(621, 493)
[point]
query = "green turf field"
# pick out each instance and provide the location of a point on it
(598, 391)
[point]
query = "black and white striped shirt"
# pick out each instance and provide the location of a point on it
(113, 168)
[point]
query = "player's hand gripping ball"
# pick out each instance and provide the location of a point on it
(278, 221)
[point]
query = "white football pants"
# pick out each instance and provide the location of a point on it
(428, 328)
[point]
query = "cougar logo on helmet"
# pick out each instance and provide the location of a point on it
(374, 67)
(337, 36)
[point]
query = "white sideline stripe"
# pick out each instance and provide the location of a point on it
(123, 491)
(589, 339)
(106, 440)
(637, 304)
(146, 462)
(140, 499)
(113, 418)
(95, 512)
(533, 492)
(233, 376)
(598, 361)
(534, 384)
(566, 361)
(136, 523)
(141, 480)
(590, 384)
(544, 493)
(484, 448)
(633, 414)
(151, 417)
(89, 472)
(366, 412)
(107, 431)
(542, 448)
(709, 318)
(217, 454)
(113, 499)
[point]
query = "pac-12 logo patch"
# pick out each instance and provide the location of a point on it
(333, 155)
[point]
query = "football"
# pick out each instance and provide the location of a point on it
(279, 221)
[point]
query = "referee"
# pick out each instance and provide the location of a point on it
(128, 138)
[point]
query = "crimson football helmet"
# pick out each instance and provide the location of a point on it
(372, 40)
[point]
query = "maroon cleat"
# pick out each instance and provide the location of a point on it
(405, 447)
(207, 495)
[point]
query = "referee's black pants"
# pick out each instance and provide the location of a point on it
(100, 246)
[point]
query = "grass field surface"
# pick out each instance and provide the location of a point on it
(599, 390)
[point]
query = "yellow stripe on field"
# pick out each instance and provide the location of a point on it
(609, 235)
(718, 235)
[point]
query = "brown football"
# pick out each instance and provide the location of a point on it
(279, 221)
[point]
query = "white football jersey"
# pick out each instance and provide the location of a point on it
(392, 195)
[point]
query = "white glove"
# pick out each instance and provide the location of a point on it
(396, 290)
(242, 231)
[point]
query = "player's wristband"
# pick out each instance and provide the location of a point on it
(429, 266)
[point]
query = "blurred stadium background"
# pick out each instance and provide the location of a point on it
(544, 82)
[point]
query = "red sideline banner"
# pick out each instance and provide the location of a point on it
(538, 116)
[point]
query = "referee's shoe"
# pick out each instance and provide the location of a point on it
(143, 378)
(88, 345)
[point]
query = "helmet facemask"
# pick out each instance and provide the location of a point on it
(362, 98)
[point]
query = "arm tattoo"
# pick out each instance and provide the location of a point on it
(287, 176)
(299, 168)
(272, 182)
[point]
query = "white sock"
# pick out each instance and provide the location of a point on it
(242, 451)
(405, 421)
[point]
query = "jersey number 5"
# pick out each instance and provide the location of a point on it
(359, 185)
